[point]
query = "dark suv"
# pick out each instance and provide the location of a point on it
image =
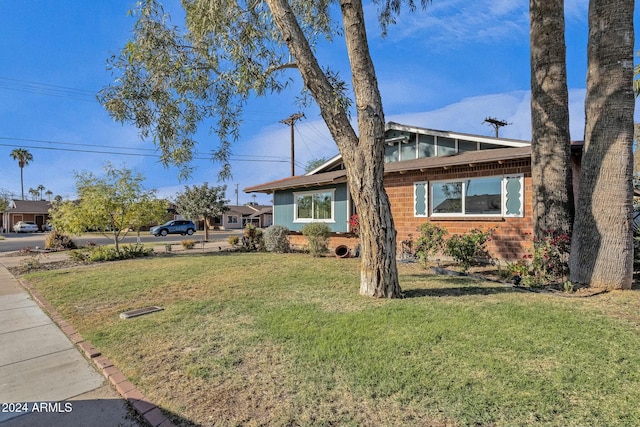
(178, 226)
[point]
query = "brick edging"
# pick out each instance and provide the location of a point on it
(152, 414)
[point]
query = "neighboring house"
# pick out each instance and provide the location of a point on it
(239, 216)
(457, 181)
(25, 210)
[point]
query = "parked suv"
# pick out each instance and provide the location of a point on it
(178, 226)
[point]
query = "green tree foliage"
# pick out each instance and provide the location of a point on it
(23, 157)
(169, 80)
(5, 198)
(202, 202)
(111, 205)
(315, 163)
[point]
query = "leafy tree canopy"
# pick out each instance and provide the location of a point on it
(170, 79)
(202, 202)
(111, 204)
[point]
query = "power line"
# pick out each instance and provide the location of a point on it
(47, 89)
(139, 154)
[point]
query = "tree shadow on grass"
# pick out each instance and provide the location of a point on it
(457, 291)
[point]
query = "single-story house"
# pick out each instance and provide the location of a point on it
(25, 210)
(239, 216)
(455, 180)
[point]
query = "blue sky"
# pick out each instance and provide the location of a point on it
(448, 67)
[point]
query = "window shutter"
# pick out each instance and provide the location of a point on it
(420, 199)
(513, 196)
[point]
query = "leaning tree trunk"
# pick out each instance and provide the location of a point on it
(551, 142)
(602, 244)
(363, 155)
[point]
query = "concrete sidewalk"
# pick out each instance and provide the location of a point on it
(44, 379)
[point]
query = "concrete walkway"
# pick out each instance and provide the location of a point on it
(44, 379)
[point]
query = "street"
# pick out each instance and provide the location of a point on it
(18, 241)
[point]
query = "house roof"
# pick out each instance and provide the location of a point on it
(248, 209)
(464, 158)
(300, 182)
(29, 206)
(393, 126)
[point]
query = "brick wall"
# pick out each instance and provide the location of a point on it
(512, 236)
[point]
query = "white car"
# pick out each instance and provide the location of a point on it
(26, 227)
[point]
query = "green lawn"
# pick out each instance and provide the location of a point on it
(285, 340)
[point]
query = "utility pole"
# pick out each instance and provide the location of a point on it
(237, 195)
(291, 121)
(497, 124)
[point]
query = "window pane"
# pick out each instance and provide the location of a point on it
(304, 207)
(447, 197)
(512, 197)
(484, 146)
(408, 149)
(446, 146)
(426, 146)
(322, 206)
(420, 190)
(391, 152)
(464, 145)
(483, 196)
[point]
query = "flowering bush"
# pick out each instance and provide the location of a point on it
(431, 241)
(548, 261)
(464, 248)
(354, 224)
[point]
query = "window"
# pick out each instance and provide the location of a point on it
(391, 152)
(426, 146)
(487, 196)
(232, 219)
(408, 149)
(464, 145)
(313, 206)
(446, 146)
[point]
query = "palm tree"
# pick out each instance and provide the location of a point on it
(551, 142)
(41, 188)
(23, 157)
(34, 193)
(602, 242)
(49, 193)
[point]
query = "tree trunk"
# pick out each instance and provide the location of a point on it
(206, 228)
(602, 244)
(22, 182)
(363, 156)
(553, 207)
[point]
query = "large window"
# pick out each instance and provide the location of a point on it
(313, 206)
(488, 196)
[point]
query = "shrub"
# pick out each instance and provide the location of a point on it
(354, 224)
(430, 242)
(188, 244)
(58, 241)
(276, 239)
(78, 255)
(549, 260)
(233, 240)
(135, 251)
(104, 253)
(464, 248)
(252, 238)
(317, 233)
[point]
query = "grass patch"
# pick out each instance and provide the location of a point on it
(264, 339)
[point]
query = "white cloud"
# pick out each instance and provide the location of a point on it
(457, 22)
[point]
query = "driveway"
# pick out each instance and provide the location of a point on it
(18, 241)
